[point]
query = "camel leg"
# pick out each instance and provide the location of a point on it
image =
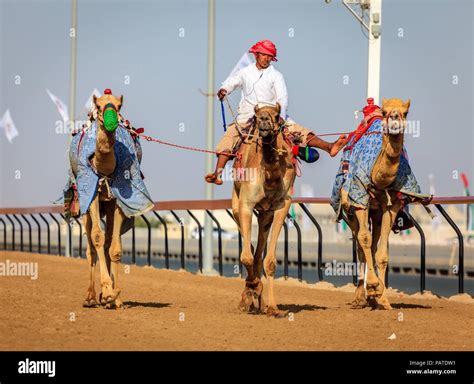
(376, 220)
(98, 241)
(245, 225)
(270, 258)
(91, 300)
(109, 227)
(264, 224)
(381, 257)
(360, 300)
(364, 238)
(115, 252)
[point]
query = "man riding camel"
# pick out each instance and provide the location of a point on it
(262, 84)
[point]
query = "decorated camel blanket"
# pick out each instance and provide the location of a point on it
(356, 168)
(126, 183)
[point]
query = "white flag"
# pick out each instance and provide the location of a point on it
(89, 101)
(244, 61)
(62, 108)
(9, 127)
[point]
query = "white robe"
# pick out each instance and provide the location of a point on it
(259, 86)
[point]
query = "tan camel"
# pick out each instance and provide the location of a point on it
(107, 247)
(383, 208)
(270, 194)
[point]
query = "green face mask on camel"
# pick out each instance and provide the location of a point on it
(110, 118)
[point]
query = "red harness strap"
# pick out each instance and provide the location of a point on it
(361, 131)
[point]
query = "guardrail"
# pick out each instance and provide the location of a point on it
(55, 213)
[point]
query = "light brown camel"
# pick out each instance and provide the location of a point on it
(270, 194)
(106, 246)
(383, 208)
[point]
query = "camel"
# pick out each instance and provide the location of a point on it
(269, 193)
(382, 210)
(107, 247)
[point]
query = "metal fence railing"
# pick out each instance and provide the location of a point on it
(47, 221)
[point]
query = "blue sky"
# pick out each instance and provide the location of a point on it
(427, 55)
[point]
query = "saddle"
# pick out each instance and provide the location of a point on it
(305, 153)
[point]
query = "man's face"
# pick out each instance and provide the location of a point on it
(263, 60)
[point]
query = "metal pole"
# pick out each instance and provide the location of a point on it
(373, 73)
(72, 90)
(460, 245)
(208, 263)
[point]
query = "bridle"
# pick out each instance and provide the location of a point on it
(386, 116)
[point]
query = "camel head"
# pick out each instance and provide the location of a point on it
(108, 107)
(395, 113)
(267, 121)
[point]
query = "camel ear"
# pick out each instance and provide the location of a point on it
(256, 109)
(407, 103)
(384, 101)
(278, 108)
(121, 102)
(94, 99)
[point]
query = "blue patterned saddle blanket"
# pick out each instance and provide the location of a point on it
(357, 178)
(126, 183)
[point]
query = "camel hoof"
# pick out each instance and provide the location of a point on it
(275, 312)
(372, 302)
(359, 304)
(249, 301)
(90, 303)
(242, 306)
(384, 304)
(109, 306)
(110, 297)
(119, 304)
(257, 302)
(102, 299)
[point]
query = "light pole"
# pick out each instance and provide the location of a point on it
(208, 257)
(72, 89)
(373, 9)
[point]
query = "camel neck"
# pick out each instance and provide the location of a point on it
(268, 152)
(104, 156)
(386, 167)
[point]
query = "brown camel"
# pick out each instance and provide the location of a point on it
(107, 247)
(269, 193)
(382, 210)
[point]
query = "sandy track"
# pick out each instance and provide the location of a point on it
(169, 310)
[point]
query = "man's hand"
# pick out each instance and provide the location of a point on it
(221, 94)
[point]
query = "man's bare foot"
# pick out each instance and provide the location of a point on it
(213, 178)
(338, 145)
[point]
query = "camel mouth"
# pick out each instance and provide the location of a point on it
(110, 118)
(395, 127)
(264, 132)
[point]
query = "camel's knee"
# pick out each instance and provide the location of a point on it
(270, 265)
(382, 259)
(246, 259)
(364, 238)
(97, 237)
(115, 253)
